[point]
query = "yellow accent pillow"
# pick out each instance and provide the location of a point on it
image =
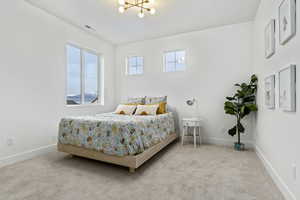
(162, 107)
(122, 112)
(144, 113)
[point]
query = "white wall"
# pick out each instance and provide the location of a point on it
(32, 81)
(32, 75)
(216, 59)
(277, 133)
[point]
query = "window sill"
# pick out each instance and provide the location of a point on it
(85, 105)
(179, 71)
(129, 75)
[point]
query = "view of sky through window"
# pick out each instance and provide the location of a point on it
(175, 61)
(135, 65)
(82, 79)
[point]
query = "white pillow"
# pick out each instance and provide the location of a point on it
(125, 109)
(146, 109)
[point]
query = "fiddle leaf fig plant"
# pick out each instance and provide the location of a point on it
(241, 104)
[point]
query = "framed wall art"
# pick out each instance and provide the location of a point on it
(287, 20)
(270, 39)
(287, 88)
(270, 92)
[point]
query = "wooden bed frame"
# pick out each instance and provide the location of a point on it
(133, 162)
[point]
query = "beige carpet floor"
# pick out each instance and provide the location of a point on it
(183, 173)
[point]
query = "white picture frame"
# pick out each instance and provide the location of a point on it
(270, 39)
(287, 20)
(287, 88)
(270, 91)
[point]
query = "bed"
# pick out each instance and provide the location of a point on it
(119, 139)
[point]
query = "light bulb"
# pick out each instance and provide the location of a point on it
(141, 15)
(121, 9)
(122, 2)
(152, 11)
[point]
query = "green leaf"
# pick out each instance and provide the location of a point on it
(252, 107)
(249, 99)
(241, 127)
(230, 104)
(230, 98)
(243, 110)
(230, 111)
(246, 112)
(232, 131)
(240, 94)
(244, 85)
(254, 78)
(238, 105)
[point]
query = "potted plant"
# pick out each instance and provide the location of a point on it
(241, 104)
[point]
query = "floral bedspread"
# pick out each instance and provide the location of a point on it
(116, 134)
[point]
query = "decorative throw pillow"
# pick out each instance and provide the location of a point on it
(162, 108)
(146, 109)
(135, 101)
(125, 109)
(161, 101)
(122, 112)
(153, 100)
(144, 113)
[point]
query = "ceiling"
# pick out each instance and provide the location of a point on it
(172, 16)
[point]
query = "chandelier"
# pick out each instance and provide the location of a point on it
(142, 5)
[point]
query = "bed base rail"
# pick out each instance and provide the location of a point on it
(133, 162)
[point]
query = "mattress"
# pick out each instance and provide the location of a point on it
(116, 134)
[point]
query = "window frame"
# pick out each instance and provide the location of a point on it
(165, 61)
(100, 76)
(127, 65)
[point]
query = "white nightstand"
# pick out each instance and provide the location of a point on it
(194, 123)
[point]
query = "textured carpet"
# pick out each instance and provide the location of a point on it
(206, 173)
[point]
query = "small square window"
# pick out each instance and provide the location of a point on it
(135, 65)
(174, 61)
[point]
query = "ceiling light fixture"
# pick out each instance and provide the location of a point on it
(142, 5)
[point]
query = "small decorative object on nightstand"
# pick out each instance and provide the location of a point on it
(194, 123)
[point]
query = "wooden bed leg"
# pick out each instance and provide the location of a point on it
(131, 170)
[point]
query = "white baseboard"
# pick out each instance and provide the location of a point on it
(287, 193)
(218, 141)
(225, 142)
(26, 155)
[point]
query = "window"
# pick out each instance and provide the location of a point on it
(83, 76)
(174, 61)
(135, 65)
